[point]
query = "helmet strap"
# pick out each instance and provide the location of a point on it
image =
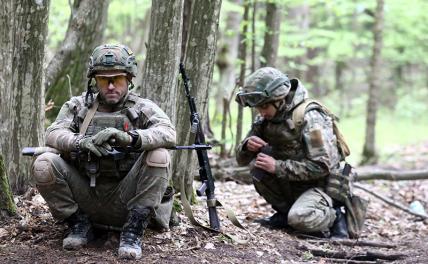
(130, 85)
(278, 104)
(89, 98)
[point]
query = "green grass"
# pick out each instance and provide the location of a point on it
(392, 131)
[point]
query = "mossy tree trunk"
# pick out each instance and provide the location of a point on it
(199, 62)
(66, 72)
(370, 155)
(7, 206)
(159, 81)
(22, 48)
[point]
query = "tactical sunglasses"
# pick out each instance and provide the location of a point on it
(104, 80)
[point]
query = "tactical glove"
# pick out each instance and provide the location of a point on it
(121, 138)
(87, 144)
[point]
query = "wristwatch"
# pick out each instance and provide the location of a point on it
(134, 135)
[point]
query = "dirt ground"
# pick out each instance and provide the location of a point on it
(34, 237)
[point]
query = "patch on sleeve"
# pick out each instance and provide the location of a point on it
(316, 138)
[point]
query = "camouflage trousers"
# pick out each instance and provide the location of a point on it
(309, 209)
(108, 203)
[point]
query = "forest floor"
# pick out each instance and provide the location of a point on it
(34, 237)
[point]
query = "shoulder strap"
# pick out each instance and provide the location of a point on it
(298, 119)
(89, 115)
(300, 110)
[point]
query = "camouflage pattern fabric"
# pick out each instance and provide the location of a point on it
(304, 157)
(138, 180)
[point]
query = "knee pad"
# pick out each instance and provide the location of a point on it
(158, 158)
(43, 171)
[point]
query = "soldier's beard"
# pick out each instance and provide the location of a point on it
(112, 99)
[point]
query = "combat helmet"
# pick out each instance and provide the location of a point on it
(112, 57)
(265, 85)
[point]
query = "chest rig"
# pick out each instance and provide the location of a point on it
(90, 123)
(283, 136)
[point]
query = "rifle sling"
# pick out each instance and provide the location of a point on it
(188, 212)
(88, 118)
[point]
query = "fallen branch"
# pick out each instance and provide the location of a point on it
(348, 242)
(349, 261)
(390, 202)
(392, 175)
(368, 255)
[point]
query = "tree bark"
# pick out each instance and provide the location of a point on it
(226, 60)
(187, 9)
(22, 40)
(85, 29)
(139, 44)
(160, 72)
(242, 58)
(271, 40)
(199, 62)
(7, 206)
(370, 155)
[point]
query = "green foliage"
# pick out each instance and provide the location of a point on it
(59, 14)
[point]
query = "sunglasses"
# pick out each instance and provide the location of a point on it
(104, 81)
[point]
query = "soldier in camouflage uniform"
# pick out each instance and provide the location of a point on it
(85, 185)
(289, 163)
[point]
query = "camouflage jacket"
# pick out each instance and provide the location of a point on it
(305, 153)
(151, 123)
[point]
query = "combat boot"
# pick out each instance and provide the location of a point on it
(276, 221)
(340, 227)
(80, 229)
(133, 229)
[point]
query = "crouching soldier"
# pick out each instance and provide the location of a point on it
(85, 185)
(296, 155)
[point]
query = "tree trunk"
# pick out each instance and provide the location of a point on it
(163, 55)
(271, 40)
(187, 9)
(22, 40)
(226, 60)
(67, 70)
(139, 44)
(301, 16)
(199, 63)
(312, 74)
(340, 86)
(243, 58)
(370, 155)
(253, 49)
(7, 206)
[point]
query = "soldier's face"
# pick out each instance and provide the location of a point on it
(113, 85)
(267, 111)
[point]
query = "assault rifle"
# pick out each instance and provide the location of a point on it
(116, 153)
(205, 174)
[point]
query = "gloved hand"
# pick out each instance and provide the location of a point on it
(121, 138)
(87, 144)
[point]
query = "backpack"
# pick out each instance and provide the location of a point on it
(298, 119)
(339, 182)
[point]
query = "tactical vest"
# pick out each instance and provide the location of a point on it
(125, 119)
